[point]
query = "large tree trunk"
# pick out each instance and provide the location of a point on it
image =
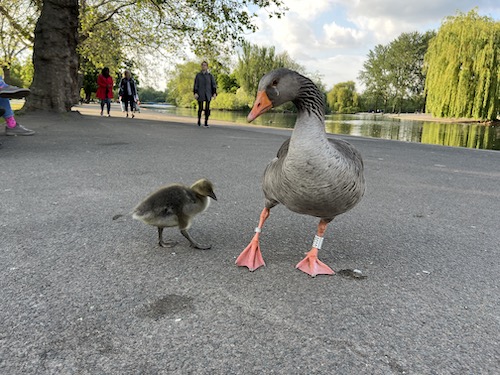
(6, 74)
(55, 83)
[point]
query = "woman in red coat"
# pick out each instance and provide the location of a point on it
(105, 89)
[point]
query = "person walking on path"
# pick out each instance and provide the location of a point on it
(204, 91)
(105, 90)
(128, 92)
(7, 92)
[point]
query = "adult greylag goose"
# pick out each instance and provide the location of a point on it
(311, 174)
(175, 206)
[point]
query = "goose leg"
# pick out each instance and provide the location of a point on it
(311, 264)
(194, 244)
(168, 243)
(251, 257)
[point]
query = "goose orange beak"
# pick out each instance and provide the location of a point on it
(262, 104)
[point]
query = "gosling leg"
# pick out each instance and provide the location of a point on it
(168, 243)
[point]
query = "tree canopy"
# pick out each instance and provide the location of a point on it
(393, 74)
(255, 61)
(17, 20)
(136, 28)
(463, 68)
(343, 98)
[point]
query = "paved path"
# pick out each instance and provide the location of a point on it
(82, 294)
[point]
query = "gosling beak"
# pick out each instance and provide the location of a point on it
(212, 195)
(262, 104)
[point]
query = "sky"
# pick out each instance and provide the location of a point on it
(333, 37)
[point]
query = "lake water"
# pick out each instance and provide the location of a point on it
(370, 125)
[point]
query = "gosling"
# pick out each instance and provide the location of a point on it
(175, 206)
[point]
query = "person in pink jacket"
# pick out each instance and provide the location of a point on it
(105, 89)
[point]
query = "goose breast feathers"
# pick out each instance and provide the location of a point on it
(311, 174)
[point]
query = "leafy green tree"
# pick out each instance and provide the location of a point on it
(14, 15)
(405, 65)
(149, 25)
(89, 80)
(463, 68)
(232, 101)
(180, 84)
(255, 61)
(104, 46)
(227, 83)
(343, 98)
(22, 72)
(393, 74)
(375, 76)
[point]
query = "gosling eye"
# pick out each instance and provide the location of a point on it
(275, 83)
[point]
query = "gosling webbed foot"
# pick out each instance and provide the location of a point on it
(167, 243)
(200, 246)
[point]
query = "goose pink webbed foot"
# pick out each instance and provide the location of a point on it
(313, 266)
(251, 257)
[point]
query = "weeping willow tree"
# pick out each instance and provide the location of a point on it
(463, 68)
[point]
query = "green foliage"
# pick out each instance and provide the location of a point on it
(463, 68)
(20, 73)
(393, 74)
(149, 94)
(89, 83)
(170, 26)
(117, 30)
(16, 30)
(255, 61)
(405, 62)
(103, 46)
(180, 85)
(343, 98)
(232, 101)
(234, 89)
(227, 83)
(375, 74)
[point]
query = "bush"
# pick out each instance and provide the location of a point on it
(229, 101)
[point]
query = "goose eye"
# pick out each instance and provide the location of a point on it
(275, 82)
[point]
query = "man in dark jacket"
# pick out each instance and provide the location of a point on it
(204, 90)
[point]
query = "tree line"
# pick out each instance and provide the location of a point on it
(453, 72)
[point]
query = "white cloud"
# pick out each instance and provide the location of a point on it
(333, 37)
(336, 36)
(338, 68)
(308, 10)
(289, 34)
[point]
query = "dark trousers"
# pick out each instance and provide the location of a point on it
(126, 99)
(207, 110)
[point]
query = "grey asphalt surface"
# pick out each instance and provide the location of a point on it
(83, 294)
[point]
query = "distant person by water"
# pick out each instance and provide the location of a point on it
(204, 91)
(128, 93)
(105, 90)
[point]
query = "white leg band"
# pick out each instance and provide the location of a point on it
(318, 241)
(258, 230)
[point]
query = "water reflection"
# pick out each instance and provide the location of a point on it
(371, 125)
